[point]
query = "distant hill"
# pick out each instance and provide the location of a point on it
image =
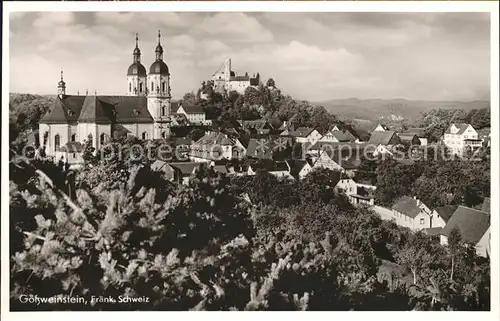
(371, 109)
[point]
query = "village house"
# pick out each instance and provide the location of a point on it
(277, 169)
(325, 161)
(409, 138)
(420, 133)
(277, 148)
(216, 146)
(298, 168)
(384, 141)
(412, 213)
(441, 215)
(335, 135)
(460, 138)
(474, 228)
(179, 172)
(347, 186)
(304, 135)
(193, 113)
(259, 127)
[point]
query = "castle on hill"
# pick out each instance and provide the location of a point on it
(226, 80)
(143, 112)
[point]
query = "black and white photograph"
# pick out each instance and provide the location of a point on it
(250, 160)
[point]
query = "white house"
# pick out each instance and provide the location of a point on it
(474, 228)
(216, 146)
(347, 186)
(195, 114)
(325, 161)
(305, 135)
(461, 137)
(298, 168)
(412, 213)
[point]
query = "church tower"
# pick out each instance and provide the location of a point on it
(61, 87)
(136, 74)
(159, 93)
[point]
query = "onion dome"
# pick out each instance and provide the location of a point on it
(136, 69)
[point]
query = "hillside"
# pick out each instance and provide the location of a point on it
(371, 109)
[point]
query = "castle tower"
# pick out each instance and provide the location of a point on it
(227, 69)
(136, 74)
(61, 87)
(158, 82)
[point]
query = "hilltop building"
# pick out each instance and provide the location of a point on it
(226, 80)
(144, 111)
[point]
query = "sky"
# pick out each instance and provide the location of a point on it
(311, 56)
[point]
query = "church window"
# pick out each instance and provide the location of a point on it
(91, 139)
(163, 135)
(163, 86)
(130, 87)
(73, 137)
(57, 142)
(103, 138)
(140, 87)
(152, 86)
(145, 135)
(163, 111)
(45, 137)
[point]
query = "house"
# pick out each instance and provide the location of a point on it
(347, 186)
(411, 213)
(70, 153)
(278, 169)
(305, 135)
(194, 114)
(361, 200)
(270, 148)
(409, 138)
(298, 168)
(347, 130)
(179, 172)
(381, 128)
(216, 146)
(420, 132)
(441, 215)
(325, 161)
(474, 228)
(460, 138)
(339, 134)
(384, 140)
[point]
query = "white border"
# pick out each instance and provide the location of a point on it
(357, 6)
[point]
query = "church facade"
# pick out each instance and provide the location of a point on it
(144, 112)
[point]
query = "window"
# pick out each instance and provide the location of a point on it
(152, 86)
(145, 135)
(130, 87)
(163, 111)
(103, 139)
(91, 139)
(140, 87)
(163, 135)
(74, 155)
(163, 86)
(45, 137)
(422, 221)
(57, 142)
(73, 138)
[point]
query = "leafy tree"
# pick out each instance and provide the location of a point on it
(454, 240)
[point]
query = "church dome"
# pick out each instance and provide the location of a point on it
(136, 69)
(159, 68)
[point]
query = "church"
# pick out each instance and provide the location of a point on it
(144, 112)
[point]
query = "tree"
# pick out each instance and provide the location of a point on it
(271, 83)
(454, 240)
(321, 119)
(189, 99)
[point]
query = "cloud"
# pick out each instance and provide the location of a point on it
(315, 56)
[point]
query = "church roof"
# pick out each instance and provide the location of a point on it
(159, 67)
(65, 110)
(98, 109)
(136, 69)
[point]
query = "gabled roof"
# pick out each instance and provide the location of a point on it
(192, 109)
(186, 168)
(65, 109)
(296, 165)
(302, 132)
(462, 127)
(385, 127)
(407, 206)
(128, 109)
(381, 138)
(446, 211)
(341, 136)
(471, 223)
(259, 148)
(407, 137)
(174, 105)
(215, 138)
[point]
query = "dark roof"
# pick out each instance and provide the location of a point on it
(296, 166)
(259, 148)
(486, 207)
(407, 137)
(186, 168)
(72, 147)
(271, 166)
(240, 78)
(433, 230)
(341, 136)
(65, 109)
(446, 211)
(302, 132)
(192, 109)
(159, 67)
(461, 128)
(381, 138)
(174, 105)
(136, 69)
(471, 223)
(407, 206)
(215, 138)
